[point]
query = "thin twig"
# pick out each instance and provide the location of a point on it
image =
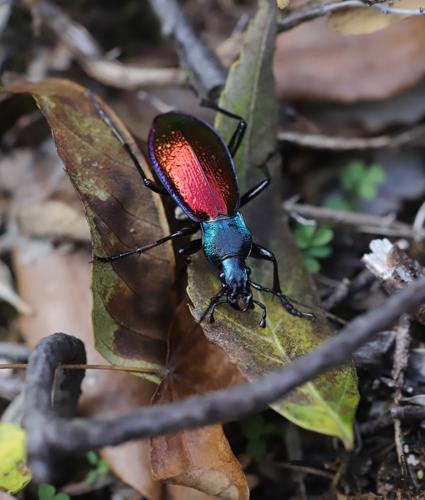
(335, 143)
(400, 361)
(48, 435)
(133, 369)
(360, 222)
(291, 19)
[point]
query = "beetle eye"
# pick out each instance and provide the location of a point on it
(221, 276)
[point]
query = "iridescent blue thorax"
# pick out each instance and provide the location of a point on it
(226, 237)
(227, 242)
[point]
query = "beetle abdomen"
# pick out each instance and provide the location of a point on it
(194, 165)
(226, 237)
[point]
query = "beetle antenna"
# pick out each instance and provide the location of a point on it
(285, 301)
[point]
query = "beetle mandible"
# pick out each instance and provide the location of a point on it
(196, 168)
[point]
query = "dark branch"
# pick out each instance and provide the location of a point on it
(39, 409)
(205, 71)
(49, 435)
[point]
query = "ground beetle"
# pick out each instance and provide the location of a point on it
(196, 168)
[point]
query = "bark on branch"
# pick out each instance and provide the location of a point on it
(49, 435)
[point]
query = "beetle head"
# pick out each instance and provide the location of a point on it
(234, 277)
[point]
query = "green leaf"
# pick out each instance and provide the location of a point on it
(322, 236)
(328, 403)
(14, 474)
(91, 477)
(46, 492)
(304, 234)
(249, 92)
(367, 191)
(102, 467)
(336, 202)
(92, 457)
(352, 175)
(256, 448)
(376, 174)
(312, 264)
(319, 252)
(62, 496)
(131, 302)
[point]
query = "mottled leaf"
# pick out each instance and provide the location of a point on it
(132, 298)
(327, 404)
(199, 458)
(122, 213)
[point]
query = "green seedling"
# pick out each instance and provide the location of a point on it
(358, 181)
(313, 242)
(48, 492)
(256, 430)
(98, 467)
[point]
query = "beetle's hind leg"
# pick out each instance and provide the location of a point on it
(105, 116)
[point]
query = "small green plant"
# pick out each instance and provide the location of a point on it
(256, 430)
(98, 467)
(313, 242)
(358, 181)
(48, 492)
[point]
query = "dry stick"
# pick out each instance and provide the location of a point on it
(336, 143)
(291, 19)
(48, 434)
(364, 223)
(400, 362)
(64, 366)
(205, 70)
(12, 350)
(89, 54)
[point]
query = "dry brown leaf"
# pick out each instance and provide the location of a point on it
(53, 220)
(314, 63)
(58, 288)
(200, 458)
(362, 21)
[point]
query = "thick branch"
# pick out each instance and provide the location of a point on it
(48, 435)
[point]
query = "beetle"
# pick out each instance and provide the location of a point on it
(196, 169)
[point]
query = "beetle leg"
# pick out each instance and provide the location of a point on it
(284, 300)
(262, 323)
(212, 309)
(259, 252)
(238, 134)
(262, 185)
(139, 250)
(191, 248)
(104, 115)
(255, 191)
